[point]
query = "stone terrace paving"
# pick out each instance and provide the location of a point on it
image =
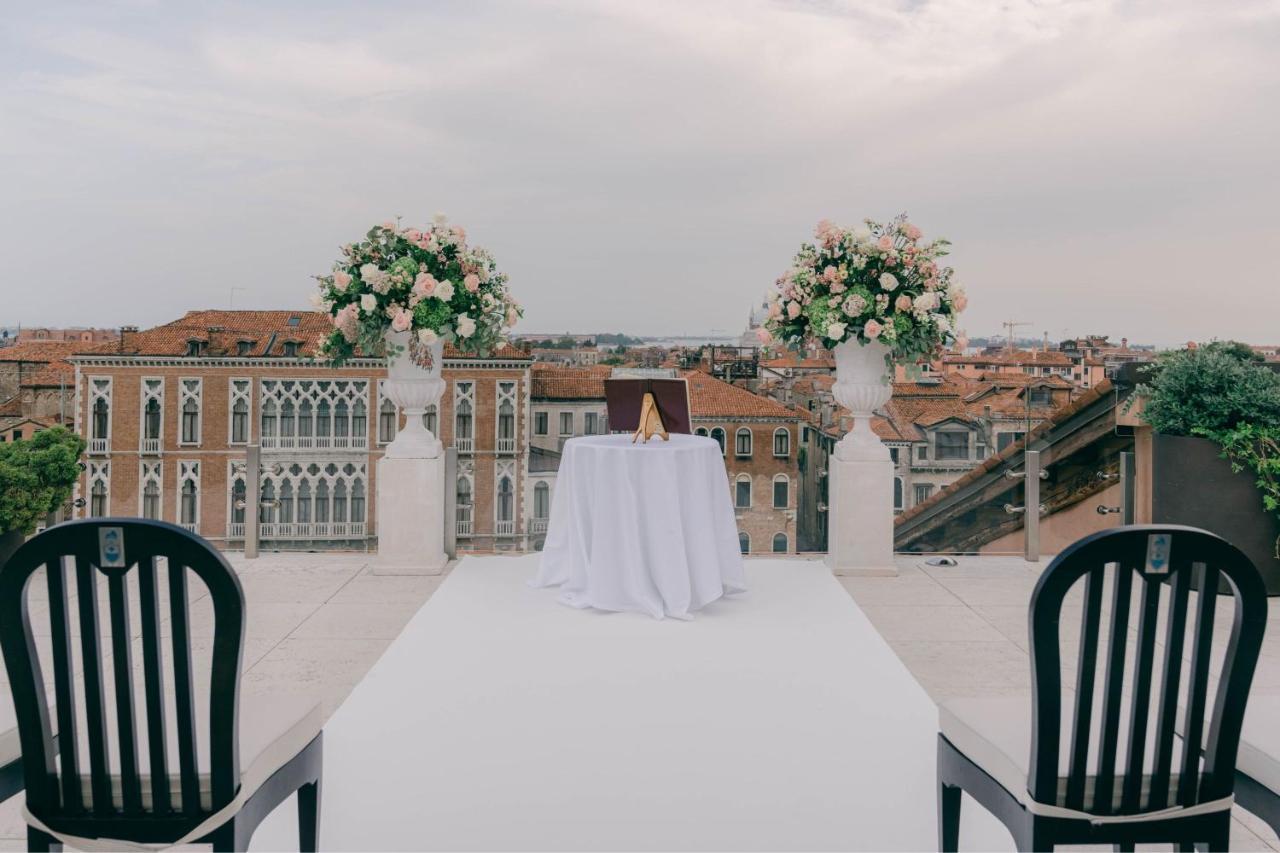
(318, 622)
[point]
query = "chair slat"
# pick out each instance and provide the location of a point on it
(1113, 689)
(153, 675)
(1140, 696)
(1201, 650)
(94, 702)
(1167, 721)
(63, 684)
(182, 685)
(122, 663)
(1086, 668)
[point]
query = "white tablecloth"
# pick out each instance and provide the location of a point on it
(642, 527)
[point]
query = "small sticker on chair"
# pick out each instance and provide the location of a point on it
(1158, 547)
(111, 547)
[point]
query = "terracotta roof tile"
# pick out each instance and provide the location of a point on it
(46, 351)
(553, 382)
(222, 332)
(711, 398)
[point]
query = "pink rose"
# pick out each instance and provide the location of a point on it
(903, 303)
(471, 282)
(830, 273)
(793, 310)
(960, 302)
(885, 243)
(762, 335)
(912, 232)
(872, 329)
(341, 280)
(775, 310)
(424, 285)
(401, 321)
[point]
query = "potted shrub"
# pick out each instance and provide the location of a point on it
(1215, 450)
(37, 476)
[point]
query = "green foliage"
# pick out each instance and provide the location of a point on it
(1208, 391)
(1221, 392)
(36, 477)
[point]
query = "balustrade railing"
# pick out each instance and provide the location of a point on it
(315, 442)
(504, 528)
(311, 530)
(97, 445)
(464, 528)
(150, 446)
(506, 446)
(538, 526)
(464, 445)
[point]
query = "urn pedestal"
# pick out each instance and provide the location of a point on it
(860, 503)
(411, 496)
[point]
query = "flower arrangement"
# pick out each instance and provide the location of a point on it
(425, 281)
(876, 282)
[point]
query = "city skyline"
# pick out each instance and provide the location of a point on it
(1088, 160)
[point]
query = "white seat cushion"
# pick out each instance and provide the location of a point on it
(995, 733)
(1260, 742)
(10, 749)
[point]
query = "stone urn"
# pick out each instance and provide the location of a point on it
(862, 386)
(414, 384)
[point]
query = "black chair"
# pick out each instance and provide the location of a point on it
(10, 752)
(211, 773)
(1072, 768)
(1258, 768)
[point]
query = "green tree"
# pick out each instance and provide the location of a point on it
(37, 476)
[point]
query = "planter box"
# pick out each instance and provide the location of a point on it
(1192, 484)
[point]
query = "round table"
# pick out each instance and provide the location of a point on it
(642, 527)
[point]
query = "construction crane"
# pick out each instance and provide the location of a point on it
(1009, 326)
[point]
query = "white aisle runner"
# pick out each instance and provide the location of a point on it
(502, 720)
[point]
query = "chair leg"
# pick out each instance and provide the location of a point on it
(228, 838)
(309, 817)
(41, 842)
(948, 818)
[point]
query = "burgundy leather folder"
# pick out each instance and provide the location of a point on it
(624, 396)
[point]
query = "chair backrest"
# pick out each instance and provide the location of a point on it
(1109, 768)
(79, 557)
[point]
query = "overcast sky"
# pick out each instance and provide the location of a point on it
(648, 166)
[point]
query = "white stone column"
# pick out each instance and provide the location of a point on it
(860, 472)
(410, 514)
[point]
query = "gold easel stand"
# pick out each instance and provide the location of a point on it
(650, 421)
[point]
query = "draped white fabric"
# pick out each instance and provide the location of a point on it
(642, 527)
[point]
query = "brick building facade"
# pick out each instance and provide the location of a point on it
(169, 414)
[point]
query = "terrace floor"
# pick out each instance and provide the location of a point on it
(319, 622)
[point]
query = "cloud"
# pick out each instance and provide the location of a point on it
(649, 166)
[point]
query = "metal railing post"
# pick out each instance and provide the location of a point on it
(1031, 494)
(1128, 484)
(451, 502)
(253, 498)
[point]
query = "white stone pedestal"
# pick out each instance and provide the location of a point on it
(410, 517)
(860, 517)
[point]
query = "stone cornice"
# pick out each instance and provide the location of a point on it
(280, 363)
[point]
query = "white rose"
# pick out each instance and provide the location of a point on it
(427, 337)
(888, 282)
(926, 302)
(317, 300)
(941, 321)
(444, 291)
(369, 271)
(835, 330)
(466, 326)
(369, 303)
(861, 234)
